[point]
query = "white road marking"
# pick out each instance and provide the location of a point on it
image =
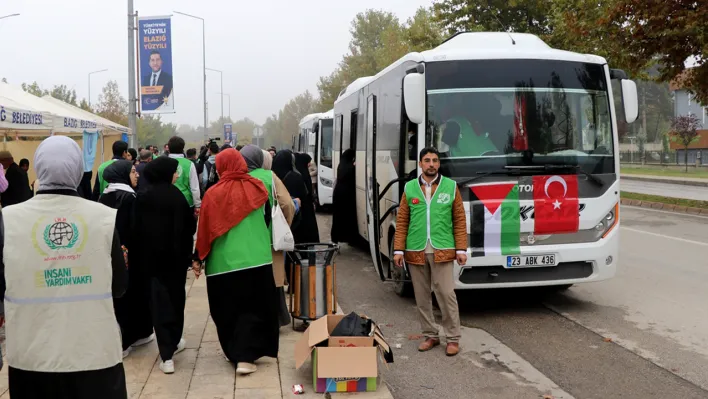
(477, 344)
(705, 244)
(639, 208)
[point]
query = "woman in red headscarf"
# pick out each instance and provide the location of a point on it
(233, 240)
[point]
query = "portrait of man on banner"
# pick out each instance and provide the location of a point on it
(159, 79)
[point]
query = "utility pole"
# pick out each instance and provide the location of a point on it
(221, 74)
(206, 133)
(132, 98)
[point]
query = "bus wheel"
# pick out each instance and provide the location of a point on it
(401, 288)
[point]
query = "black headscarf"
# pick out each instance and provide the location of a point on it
(160, 170)
(164, 222)
(118, 172)
(284, 163)
(302, 162)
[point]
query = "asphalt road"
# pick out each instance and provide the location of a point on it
(639, 335)
(665, 189)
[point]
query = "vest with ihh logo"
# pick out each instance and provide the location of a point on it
(59, 303)
(182, 183)
(430, 220)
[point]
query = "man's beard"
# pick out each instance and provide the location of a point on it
(430, 172)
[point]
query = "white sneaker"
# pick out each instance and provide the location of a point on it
(143, 341)
(127, 352)
(167, 367)
(246, 368)
(181, 345)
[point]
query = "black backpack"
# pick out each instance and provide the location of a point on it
(212, 176)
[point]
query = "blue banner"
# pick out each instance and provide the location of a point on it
(90, 140)
(155, 57)
(228, 132)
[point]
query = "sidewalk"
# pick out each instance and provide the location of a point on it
(688, 181)
(201, 371)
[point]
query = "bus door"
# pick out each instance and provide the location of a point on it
(372, 187)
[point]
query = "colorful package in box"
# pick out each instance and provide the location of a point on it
(340, 364)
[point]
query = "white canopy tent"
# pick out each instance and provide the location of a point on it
(57, 117)
(108, 127)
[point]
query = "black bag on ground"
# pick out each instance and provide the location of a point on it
(352, 325)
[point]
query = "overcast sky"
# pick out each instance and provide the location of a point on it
(269, 50)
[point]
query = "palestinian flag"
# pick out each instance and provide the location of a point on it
(494, 219)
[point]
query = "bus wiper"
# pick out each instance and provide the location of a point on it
(550, 166)
(484, 174)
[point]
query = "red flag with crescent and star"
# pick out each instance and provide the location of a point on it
(556, 204)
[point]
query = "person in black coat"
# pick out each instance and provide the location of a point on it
(18, 189)
(304, 231)
(133, 309)
(344, 222)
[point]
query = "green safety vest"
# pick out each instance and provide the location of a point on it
(265, 176)
(102, 184)
(470, 144)
(245, 246)
(430, 220)
(182, 183)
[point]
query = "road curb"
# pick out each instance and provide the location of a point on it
(665, 207)
(667, 181)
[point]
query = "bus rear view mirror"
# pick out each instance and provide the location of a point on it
(630, 101)
(414, 97)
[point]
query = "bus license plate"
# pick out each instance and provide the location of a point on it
(531, 261)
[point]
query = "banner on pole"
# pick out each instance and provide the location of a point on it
(228, 132)
(155, 58)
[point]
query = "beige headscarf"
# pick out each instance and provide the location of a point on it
(267, 160)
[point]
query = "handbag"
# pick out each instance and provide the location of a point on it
(283, 239)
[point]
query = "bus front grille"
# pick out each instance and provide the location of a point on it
(499, 274)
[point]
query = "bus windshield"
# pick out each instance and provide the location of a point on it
(485, 115)
(326, 136)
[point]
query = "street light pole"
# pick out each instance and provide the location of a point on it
(132, 92)
(229, 97)
(89, 83)
(206, 132)
(221, 74)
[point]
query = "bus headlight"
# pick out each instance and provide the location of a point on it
(326, 182)
(607, 223)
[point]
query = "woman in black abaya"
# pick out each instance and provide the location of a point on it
(133, 309)
(304, 231)
(164, 226)
(344, 227)
(302, 162)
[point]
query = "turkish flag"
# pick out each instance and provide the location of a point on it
(520, 140)
(556, 205)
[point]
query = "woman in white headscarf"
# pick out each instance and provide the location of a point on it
(63, 265)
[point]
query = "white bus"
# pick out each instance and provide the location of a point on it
(508, 113)
(315, 138)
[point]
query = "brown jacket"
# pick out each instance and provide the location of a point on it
(459, 226)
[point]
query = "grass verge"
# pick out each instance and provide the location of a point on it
(664, 200)
(692, 173)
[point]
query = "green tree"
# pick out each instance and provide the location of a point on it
(422, 31)
(684, 130)
(33, 88)
(85, 105)
(61, 92)
(4, 80)
(329, 88)
(668, 32)
(529, 16)
(112, 105)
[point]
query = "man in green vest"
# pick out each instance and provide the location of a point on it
(187, 180)
(431, 233)
(120, 151)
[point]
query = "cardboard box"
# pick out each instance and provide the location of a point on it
(346, 364)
